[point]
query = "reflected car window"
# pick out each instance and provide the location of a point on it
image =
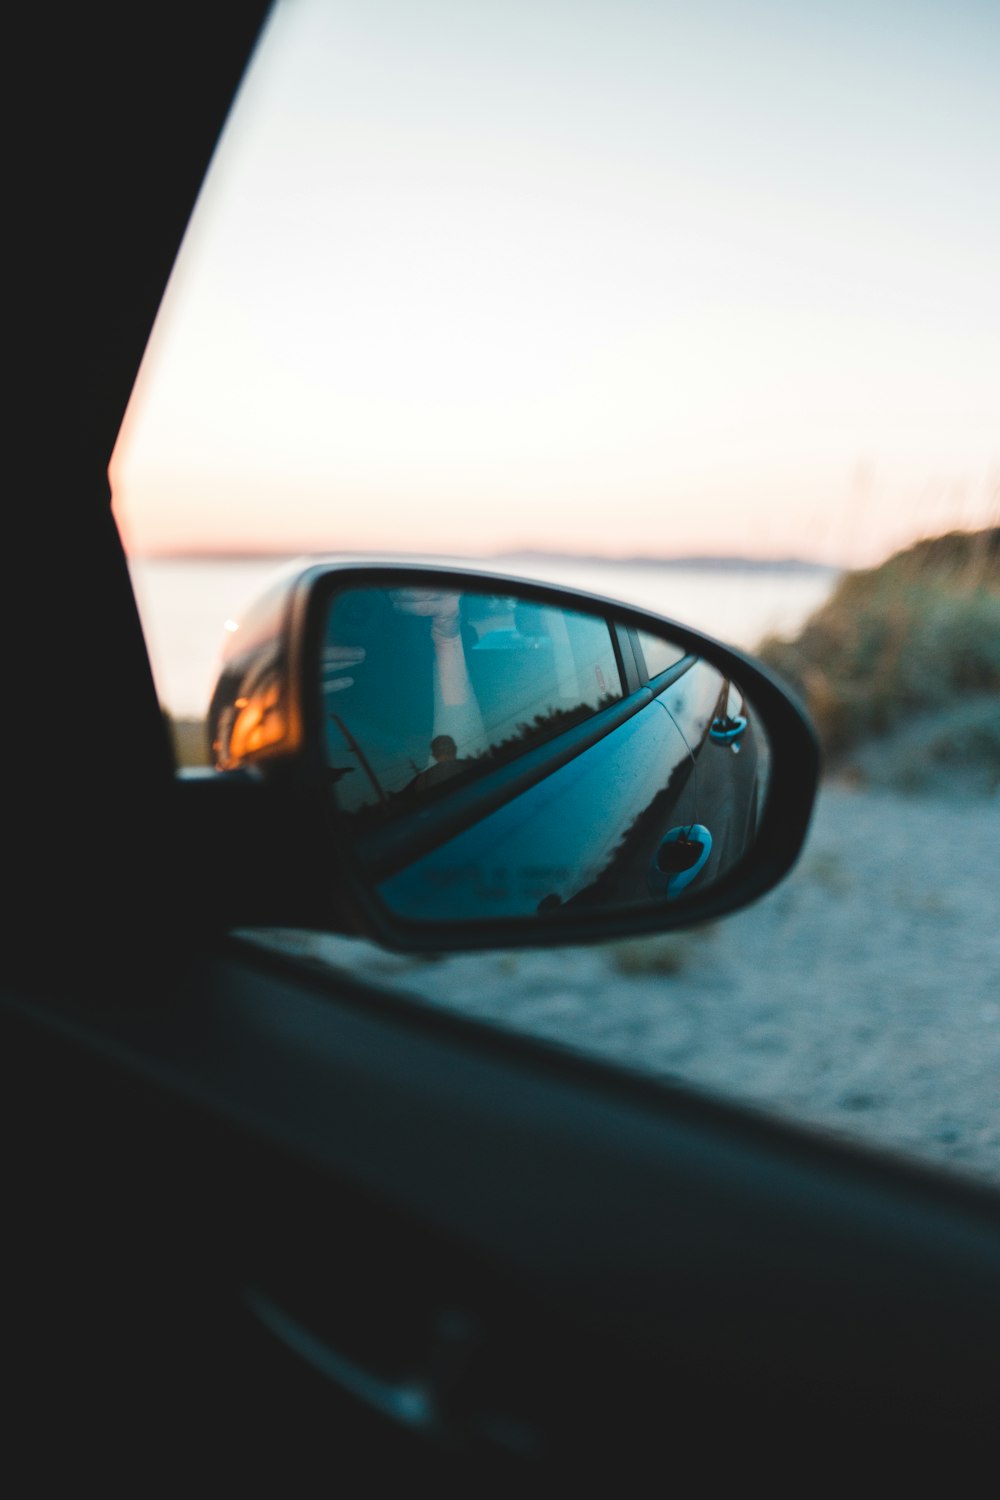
(423, 688)
(659, 653)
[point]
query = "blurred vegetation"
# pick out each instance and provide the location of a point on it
(660, 953)
(900, 668)
(189, 738)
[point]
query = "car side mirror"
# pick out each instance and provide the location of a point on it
(473, 760)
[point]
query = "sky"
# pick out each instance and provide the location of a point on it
(607, 276)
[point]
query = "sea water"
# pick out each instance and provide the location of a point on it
(185, 604)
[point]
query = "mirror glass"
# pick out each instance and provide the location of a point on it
(491, 756)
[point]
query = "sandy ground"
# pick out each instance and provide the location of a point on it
(863, 995)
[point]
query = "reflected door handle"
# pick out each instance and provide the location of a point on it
(680, 858)
(408, 1403)
(426, 1404)
(726, 731)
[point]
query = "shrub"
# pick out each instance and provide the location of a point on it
(914, 637)
(659, 954)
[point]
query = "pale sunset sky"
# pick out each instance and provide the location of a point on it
(609, 276)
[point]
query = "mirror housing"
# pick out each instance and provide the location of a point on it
(443, 759)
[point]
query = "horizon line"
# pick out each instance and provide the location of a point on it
(201, 553)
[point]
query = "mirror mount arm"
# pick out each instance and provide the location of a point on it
(255, 853)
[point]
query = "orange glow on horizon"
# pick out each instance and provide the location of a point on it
(858, 533)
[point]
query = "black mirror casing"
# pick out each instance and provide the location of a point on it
(297, 858)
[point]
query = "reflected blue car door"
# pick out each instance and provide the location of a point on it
(555, 841)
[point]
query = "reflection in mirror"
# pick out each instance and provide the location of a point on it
(423, 688)
(493, 756)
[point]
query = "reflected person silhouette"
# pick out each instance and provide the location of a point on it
(444, 764)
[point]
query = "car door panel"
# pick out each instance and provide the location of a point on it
(365, 1167)
(550, 844)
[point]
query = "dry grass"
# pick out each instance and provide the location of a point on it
(661, 953)
(907, 652)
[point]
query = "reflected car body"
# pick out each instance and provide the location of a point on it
(596, 826)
